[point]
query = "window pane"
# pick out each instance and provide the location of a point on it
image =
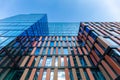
(43, 38)
(37, 51)
(54, 51)
(61, 75)
(49, 51)
(62, 61)
(44, 51)
(1, 32)
(46, 44)
(2, 39)
(51, 75)
(71, 75)
(51, 43)
(65, 50)
(56, 62)
(57, 43)
(69, 38)
(82, 61)
(40, 63)
(44, 75)
(111, 42)
(63, 38)
(59, 51)
(114, 33)
(48, 61)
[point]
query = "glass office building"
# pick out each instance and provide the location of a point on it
(33, 49)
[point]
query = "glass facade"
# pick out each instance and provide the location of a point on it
(33, 49)
(22, 25)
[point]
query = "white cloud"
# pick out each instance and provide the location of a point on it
(113, 7)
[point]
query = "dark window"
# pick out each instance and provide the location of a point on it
(93, 35)
(82, 61)
(71, 75)
(98, 53)
(115, 54)
(63, 38)
(87, 29)
(78, 74)
(97, 74)
(86, 75)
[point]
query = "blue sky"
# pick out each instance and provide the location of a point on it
(64, 10)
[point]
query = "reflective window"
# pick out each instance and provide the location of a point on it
(114, 33)
(62, 61)
(49, 38)
(43, 38)
(3, 39)
(59, 51)
(73, 38)
(51, 43)
(66, 29)
(44, 51)
(64, 43)
(57, 38)
(70, 43)
(73, 43)
(49, 51)
(37, 51)
(54, 51)
(12, 33)
(48, 61)
(111, 42)
(87, 29)
(41, 43)
(46, 44)
(61, 75)
(60, 43)
(40, 63)
(7, 41)
(1, 32)
(65, 50)
(63, 38)
(44, 75)
(69, 38)
(51, 75)
(53, 38)
(56, 61)
(56, 43)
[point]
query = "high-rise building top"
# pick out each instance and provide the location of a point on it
(21, 25)
(28, 18)
(63, 28)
